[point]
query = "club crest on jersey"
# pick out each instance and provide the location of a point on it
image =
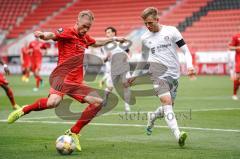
(166, 38)
(60, 30)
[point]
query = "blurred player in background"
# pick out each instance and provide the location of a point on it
(36, 48)
(26, 62)
(4, 85)
(159, 47)
(107, 69)
(235, 45)
(72, 43)
(118, 67)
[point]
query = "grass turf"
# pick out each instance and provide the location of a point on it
(204, 109)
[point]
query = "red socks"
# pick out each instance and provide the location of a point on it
(87, 115)
(9, 93)
(235, 86)
(38, 80)
(39, 105)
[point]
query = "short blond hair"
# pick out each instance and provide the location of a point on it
(150, 11)
(87, 13)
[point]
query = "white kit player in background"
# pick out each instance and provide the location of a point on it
(117, 69)
(107, 69)
(159, 48)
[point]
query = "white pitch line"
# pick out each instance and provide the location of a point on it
(128, 125)
(140, 112)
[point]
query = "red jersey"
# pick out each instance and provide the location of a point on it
(36, 47)
(236, 42)
(26, 57)
(71, 44)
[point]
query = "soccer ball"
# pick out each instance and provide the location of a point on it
(65, 145)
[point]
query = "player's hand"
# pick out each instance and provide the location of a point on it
(7, 71)
(39, 34)
(192, 73)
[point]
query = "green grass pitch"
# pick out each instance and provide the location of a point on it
(204, 109)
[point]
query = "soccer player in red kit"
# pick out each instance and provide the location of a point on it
(36, 47)
(4, 85)
(26, 62)
(72, 43)
(235, 45)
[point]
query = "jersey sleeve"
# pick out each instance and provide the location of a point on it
(177, 36)
(61, 34)
(90, 40)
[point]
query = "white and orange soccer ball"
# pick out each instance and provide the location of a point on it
(65, 145)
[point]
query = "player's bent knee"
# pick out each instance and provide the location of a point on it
(97, 101)
(165, 99)
(52, 104)
(93, 98)
(54, 101)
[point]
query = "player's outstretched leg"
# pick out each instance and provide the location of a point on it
(151, 117)
(87, 115)
(171, 121)
(235, 89)
(95, 105)
(10, 95)
(106, 95)
(127, 98)
(76, 138)
(182, 138)
(40, 104)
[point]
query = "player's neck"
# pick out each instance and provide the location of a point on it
(76, 30)
(158, 29)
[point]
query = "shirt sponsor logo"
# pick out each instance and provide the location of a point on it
(166, 38)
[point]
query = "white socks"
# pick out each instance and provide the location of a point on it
(171, 121)
(158, 113)
(127, 98)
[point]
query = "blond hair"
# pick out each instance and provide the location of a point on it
(150, 11)
(87, 13)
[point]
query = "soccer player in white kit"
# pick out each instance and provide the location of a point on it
(117, 68)
(159, 48)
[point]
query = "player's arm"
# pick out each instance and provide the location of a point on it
(188, 58)
(45, 35)
(234, 47)
(102, 42)
(5, 66)
(178, 39)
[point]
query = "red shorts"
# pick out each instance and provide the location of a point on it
(76, 91)
(36, 66)
(3, 80)
(26, 64)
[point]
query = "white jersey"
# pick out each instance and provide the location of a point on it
(161, 48)
(118, 58)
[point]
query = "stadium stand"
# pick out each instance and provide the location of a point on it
(11, 10)
(45, 9)
(211, 28)
(206, 24)
(181, 11)
(123, 14)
